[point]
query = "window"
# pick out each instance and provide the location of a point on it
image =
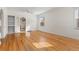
(76, 18)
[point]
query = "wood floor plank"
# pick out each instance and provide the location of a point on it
(38, 41)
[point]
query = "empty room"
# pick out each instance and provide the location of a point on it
(39, 29)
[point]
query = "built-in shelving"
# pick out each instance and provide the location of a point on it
(11, 24)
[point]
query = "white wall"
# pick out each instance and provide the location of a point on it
(4, 25)
(60, 21)
(33, 22)
(0, 22)
(30, 20)
(18, 15)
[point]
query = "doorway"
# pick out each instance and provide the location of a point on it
(22, 24)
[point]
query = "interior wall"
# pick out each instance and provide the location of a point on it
(0, 22)
(60, 21)
(30, 20)
(4, 22)
(17, 15)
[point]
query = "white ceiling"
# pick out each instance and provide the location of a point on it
(34, 10)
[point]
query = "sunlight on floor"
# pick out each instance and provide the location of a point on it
(42, 44)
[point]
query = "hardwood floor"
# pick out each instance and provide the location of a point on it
(38, 41)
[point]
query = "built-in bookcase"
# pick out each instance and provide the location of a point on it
(11, 24)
